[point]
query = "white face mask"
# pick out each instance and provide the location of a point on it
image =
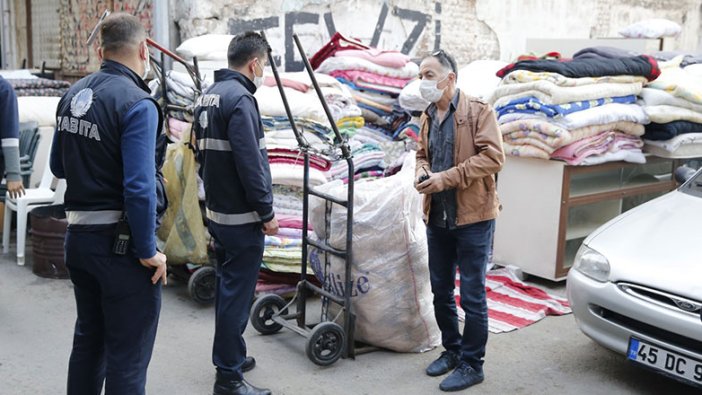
(258, 81)
(429, 91)
(147, 65)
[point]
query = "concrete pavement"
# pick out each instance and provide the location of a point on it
(550, 357)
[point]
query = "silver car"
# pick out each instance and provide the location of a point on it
(636, 284)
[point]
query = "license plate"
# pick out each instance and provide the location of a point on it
(669, 362)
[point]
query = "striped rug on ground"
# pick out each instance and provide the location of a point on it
(513, 304)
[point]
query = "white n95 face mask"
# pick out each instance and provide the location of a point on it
(147, 65)
(258, 81)
(429, 91)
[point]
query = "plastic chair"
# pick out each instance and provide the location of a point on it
(33, 198)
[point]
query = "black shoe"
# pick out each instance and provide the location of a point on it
(447, 361)
(237, 387)
(249, 364)
(463, 377)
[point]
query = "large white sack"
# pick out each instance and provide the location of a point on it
(411, 99)
(391, 293)
(479, 79)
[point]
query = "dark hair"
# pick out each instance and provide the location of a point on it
(120, 31)
(446, 60)
(245, 47)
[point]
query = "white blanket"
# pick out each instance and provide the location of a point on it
(631, 156)
(657, 97)
(675, 143)
(293, 175)
(609, 113)
(678, 82)
(666, 114)
(549, 93)
(410, 70)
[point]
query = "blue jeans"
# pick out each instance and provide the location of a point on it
(118, 309)
(468, 248)
(239, 251)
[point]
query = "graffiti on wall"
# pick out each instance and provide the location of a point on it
(78, 18)
(392, 28)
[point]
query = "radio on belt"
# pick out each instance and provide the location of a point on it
(122, 236)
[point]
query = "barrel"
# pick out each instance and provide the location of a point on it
(48, 232)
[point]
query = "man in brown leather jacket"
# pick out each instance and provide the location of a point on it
(460, 151)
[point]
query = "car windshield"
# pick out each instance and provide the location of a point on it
(694, 186)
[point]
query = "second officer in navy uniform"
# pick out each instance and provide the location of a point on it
(104, 146)
(239, 200)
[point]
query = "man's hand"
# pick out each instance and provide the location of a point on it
(270, 228)
(158, 262)
(433, 185)
(424, 175)
(15, 189)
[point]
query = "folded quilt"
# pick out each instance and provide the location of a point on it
(611, 141)
(549, 137)
(283, 242)
(363, 77)
(296, 157)
(409, 70)
(627, 155)
(666, 114)
(679, 82)
(524, 76)
(525, 151)
(657, 97)
(666, 131)
(676, 142)
(643, 65)
(287, 174)
(603, 52)
(550, 93)
(533, 105)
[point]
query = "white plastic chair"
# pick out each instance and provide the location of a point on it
(33, 198)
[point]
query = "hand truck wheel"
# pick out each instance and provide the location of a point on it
(201, 285)
(262, 313)
(326, 343)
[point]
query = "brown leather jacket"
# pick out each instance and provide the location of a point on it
(478, 156)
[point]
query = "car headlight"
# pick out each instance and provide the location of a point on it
(592, 264)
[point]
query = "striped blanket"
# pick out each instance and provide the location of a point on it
(512, 304)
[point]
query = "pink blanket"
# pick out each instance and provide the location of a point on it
(364, 77)
(392, 59)
(610, 141)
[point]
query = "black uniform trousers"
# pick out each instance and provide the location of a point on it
(118, 312)
(239, 251)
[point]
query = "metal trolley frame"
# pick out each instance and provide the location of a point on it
(327, 341)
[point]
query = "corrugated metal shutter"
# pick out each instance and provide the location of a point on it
(46, 33)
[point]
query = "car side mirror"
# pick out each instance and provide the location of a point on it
(684, 173)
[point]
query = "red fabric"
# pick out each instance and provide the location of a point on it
(336, 43)
(294, 157)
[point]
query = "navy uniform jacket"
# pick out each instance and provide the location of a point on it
(9, 131)
(104, 145)
(232, 152)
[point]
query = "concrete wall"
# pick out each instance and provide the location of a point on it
(470, 29)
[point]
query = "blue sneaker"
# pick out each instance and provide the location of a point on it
(463, 377)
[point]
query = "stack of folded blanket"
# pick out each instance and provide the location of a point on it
(673, 102)
(582, 111)
(180, 91)
(375, 78)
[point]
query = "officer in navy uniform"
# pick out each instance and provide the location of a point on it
(104, 146)
(9, 136)
(239, 200)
